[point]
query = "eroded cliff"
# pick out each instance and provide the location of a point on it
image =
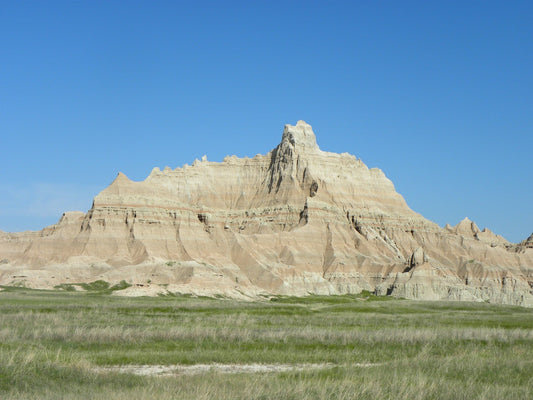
(297, 220)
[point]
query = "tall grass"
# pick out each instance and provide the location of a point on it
(51, 344)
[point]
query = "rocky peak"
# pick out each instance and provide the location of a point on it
(467, 228)
(121, 179)
(528, 242)
(301, 136)
(289, 161)
(119, 185)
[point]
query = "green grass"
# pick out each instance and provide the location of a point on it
(52, 341)
(98, 286)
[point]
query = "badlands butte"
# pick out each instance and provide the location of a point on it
(297, 220)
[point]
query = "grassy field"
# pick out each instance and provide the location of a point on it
(57, 344)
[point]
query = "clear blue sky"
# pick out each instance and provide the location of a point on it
(438, 94)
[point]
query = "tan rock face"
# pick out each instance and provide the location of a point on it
(294, 221)
(528, 243)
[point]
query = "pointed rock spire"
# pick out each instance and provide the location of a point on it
(301, 136)
(121, 178)
(119, 184)
(467, 228)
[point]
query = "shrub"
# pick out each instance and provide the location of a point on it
(121, 285)
(98, 285)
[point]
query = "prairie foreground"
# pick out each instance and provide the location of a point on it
(91, 345)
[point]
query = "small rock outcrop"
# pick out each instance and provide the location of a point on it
(296, 220)
(528, 243)
(418, 258)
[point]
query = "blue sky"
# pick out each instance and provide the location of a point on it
(438, 94)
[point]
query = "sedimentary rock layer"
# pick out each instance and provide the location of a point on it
(297, 220)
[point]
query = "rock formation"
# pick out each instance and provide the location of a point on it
(528, 243)
(297, 220)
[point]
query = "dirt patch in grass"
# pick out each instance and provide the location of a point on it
(197, 369)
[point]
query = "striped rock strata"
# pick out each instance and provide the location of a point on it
(297, 220)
